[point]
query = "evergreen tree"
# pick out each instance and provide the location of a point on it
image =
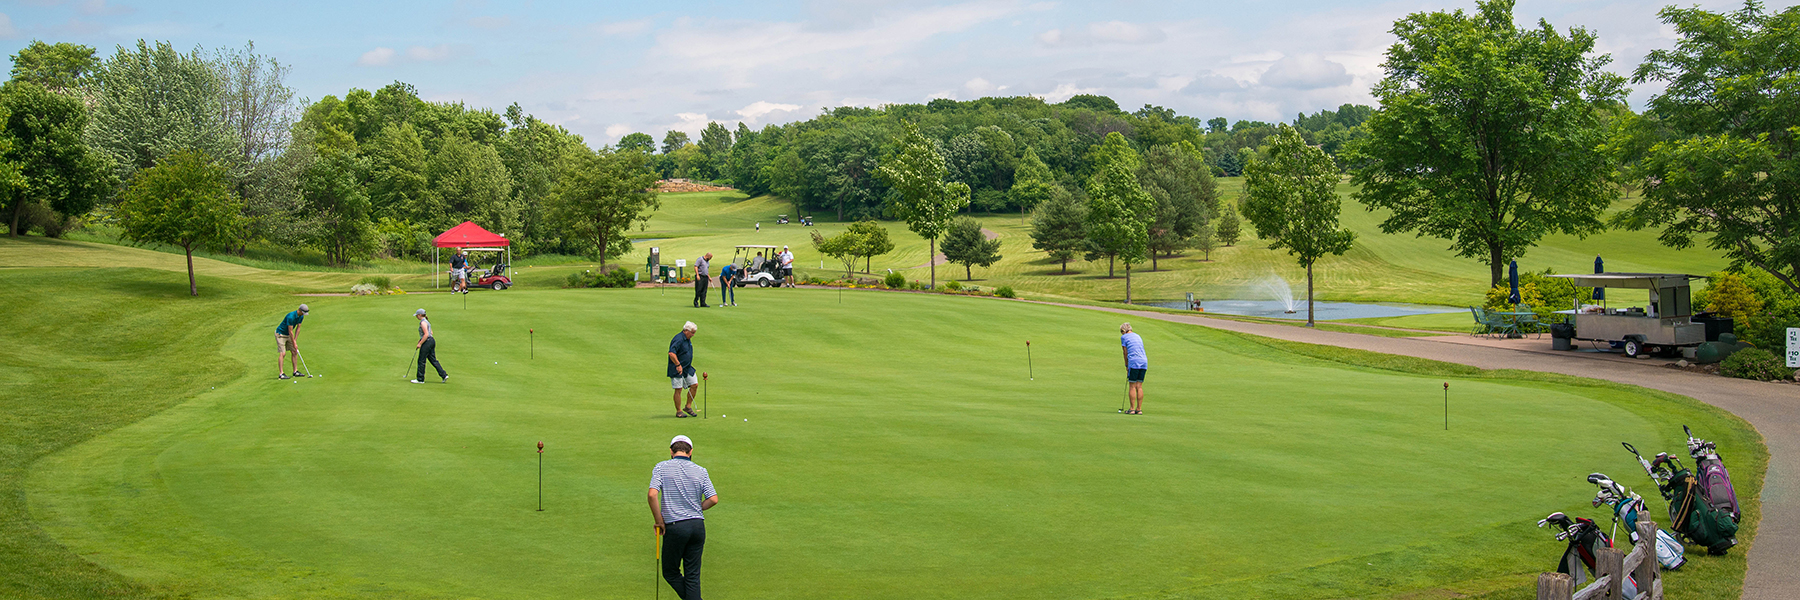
(965, 245)
(1228, 226)
(1058, 226)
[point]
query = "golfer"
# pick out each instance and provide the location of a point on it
(681, 369)
(459, 272)
(728, 275)
(427, 349)
(700, 280)
(787, 266)
(287, 337)
(679, 492)
(1135, 365)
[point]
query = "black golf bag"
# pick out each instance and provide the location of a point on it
(1585, 541)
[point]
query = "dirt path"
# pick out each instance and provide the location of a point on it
(1770, 408)
(939, 260)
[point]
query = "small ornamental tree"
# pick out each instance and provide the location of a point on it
(1292, 203)
(965, 245)
(926, 202)
(874, 241)
(184, 200)
(846, 247)
(1229, 226)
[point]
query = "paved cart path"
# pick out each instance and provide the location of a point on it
(1774, 409)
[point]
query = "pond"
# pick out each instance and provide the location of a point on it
(1323, 311)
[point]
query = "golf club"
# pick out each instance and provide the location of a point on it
(302, 358)
(540, 477)
(409, 367)
(1125, 399)
(656, 582)
(705, 396)
(533, 343)
(1446, 406)
(1029, 371)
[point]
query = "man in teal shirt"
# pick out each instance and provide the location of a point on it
(287, 337)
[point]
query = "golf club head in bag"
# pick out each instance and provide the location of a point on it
(1715, 481)
(1627, 506)
(1585, 541)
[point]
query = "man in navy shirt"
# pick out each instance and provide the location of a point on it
(728, 276)
(681, 369)
(287, 337)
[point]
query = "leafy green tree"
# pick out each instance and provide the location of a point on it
(1727, 164)
(59, 67)
(598, 197)
(786, 176)
(530, 150)
(149, 102)
(875, 241)
(638, 142)
(1179, 179)
(1119, 216)
(46, 161)
(1059, 227)
(1227, 225)
(674, 140)
(184, 200)
(335, 197)
(1032, 182)
(926, 202)
(1290, 198)
(467, 180)
(1489, 135)
(715, 145)
(844, 247)
(964, 244)
(1207, 240)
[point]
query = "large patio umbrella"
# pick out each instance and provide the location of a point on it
(1513, 276)
(1599, 267)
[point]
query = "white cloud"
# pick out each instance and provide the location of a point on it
(1106, 32)
(1064, 92)
(692, 123)
(380, 56)
(1305, 73)
(623, 28)
(761, 108)
(981, 87)
(429, 54)
(617, 130)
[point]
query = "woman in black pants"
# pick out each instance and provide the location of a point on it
(427, 349)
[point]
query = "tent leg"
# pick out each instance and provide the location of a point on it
(434, 268)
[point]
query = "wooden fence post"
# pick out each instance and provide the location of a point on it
(1609, 561)
(1555, 586)
(1649, 572)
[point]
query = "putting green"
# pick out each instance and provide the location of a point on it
(890, 446)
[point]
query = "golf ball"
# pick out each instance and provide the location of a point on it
(746, 420)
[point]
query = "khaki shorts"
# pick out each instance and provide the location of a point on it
(284, 343)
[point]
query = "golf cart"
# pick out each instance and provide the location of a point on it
(806, 221)
(767, 276)
(781, 220)
(494, 278)
(1663, 327)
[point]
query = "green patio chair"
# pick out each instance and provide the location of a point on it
(1529, 323)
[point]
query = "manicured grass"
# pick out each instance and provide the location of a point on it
(893, 447)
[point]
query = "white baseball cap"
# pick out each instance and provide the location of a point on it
(682, 438)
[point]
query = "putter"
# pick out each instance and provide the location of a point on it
(656, 582)
(1029, 371)
(302, 358)
(705, 396)
(1124, 400)
(540, 454)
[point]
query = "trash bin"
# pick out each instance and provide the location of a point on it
(1562, 336)
(1715, 325)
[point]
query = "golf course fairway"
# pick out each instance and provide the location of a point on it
(888, 446)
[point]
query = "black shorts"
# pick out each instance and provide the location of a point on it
(1135, 375)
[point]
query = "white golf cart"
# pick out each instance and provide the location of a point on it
(767, 276)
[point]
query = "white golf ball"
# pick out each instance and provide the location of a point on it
(746, 420)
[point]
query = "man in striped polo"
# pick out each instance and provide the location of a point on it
(679, 491)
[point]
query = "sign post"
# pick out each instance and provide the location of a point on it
(1793, 347)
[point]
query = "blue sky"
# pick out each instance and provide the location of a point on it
(604, 69)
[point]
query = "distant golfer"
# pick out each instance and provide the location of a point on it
(728, 276)
(679, 492)
(681, 369)
(700, 279)
(287, 337)
(427, 349)
(1135, 365)
(459, 272)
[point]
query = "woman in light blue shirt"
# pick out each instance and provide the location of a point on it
(1136, 363)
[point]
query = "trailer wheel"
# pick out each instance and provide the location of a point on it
(1633, 349)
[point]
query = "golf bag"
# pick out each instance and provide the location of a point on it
(1696, 519)
(1715, 481)
(1626, 506)
(1585, 541)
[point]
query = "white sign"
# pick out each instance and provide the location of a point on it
(1793, 348)
(681, 262)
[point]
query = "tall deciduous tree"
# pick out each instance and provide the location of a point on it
(59, 67)
(1178, 177)
(1728, 166)
(875, 241)
(599, 195)
(926, 202)
(54, 168)
(1489, 135)
(674, 140)
(335, 197)
(1032, 181)
(966, 245)
(638, 142)
(468, 181)
(1059, 227)
(1119, 215)
(149, 102)
(184, 200)
(1291, 199)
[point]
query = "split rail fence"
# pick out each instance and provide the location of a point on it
(1610, 569)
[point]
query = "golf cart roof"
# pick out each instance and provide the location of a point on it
(756, 246)
(1645, 281)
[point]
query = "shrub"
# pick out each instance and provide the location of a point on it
(1755, 363)
(915, 285)
(382, 283)
(895, 281)
(1728, 295)
(1005, 291)
(952, 285)
(617, 278)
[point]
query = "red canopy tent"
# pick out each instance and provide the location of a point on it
(470, 236)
